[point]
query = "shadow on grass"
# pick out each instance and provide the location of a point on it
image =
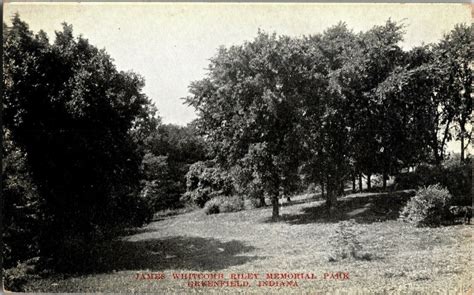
(363, 208)
(298, 202)
(136, 230)
(178, 252)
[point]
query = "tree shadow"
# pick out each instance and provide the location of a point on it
(178, 252)
(136, 230)
(365, 208)
(298, 202)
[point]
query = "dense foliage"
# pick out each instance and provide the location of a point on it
(429, 207)
(205, 181)
(333, 106)
(169, 152)
(73, 162)
(21, 206)
(455, 177)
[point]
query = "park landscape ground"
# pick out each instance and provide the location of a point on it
(403, 258)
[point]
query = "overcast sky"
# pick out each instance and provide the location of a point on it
(170, 43)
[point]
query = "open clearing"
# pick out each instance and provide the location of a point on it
(405, 259)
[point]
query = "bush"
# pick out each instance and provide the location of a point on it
(429, 207)
(253, 203)
(345, 244)
(211, 207)
(16, 277)
(205, 181)
(224, 204)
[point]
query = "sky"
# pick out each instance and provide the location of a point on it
(170, 44)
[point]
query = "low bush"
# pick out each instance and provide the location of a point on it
(253, 203)
(16, 277)
(345, 243)
(211, 207)
(224, 204)
(429, 207)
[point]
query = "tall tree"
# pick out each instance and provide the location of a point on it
(248, 106)
(455, 57)
(73, 113)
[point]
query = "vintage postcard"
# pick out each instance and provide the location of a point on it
(237, 148)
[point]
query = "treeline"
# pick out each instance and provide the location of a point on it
(333, 107)
(85, 154)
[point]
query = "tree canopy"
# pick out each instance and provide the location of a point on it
(75, 117)
(336, 104)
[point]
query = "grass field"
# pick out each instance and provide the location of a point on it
(404, 259)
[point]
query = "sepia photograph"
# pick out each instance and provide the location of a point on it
(237, 148)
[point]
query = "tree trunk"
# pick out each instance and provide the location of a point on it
(262, 201)
(322, 189)
(384, 180)
(332, 188)
(360, 182)
(276, 208)
(353, 183)
(462, 145)
(331, 198)
(341, 188)
(369, 185)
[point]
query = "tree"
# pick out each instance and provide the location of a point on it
(170, 151)
(73, 114)
(344, 103)
(454, 56)
(247, 107)
(372, 127)
(338, 46)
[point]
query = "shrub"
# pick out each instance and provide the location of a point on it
(311, 188)
(429, 207)
(345, 244)
(16, 277)
(211, 207)
(205, 181)
(231, 204)
(253, 203)
(224, 204)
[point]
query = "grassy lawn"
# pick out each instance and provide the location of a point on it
(404, 259)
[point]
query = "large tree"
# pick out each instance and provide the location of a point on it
(248, 109)
(340, 103)
(434, 86)
(325, 108)
(454, 57)
(73, 114)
